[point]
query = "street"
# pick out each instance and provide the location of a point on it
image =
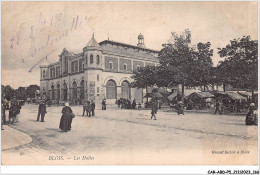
(121, 136)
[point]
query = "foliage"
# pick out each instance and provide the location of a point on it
(184, 64)
(239, 68)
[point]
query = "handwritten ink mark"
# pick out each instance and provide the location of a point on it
(41, 60)
(23, 60)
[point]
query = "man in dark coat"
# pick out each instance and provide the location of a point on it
(3, 114)
(93, 105)
(41, 111)
(154, 109)
(134, 104)
(238, 106)
(217, 108)
(85, 108)
(104, 104)
(12, 113)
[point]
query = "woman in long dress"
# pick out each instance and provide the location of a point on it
(66, 118)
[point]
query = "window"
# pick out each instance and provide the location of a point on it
(91, 59)
(97, 77)
(80, 65)
(86, 59)
(137, 66)
(110, 65)
(52, 72)
(74, 66)
(98, 90)
(43, 73)
(98, 59)
(57, 71)
(125, 66)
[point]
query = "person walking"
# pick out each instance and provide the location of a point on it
(217, 108)
(104, 104)
(93, 106)
(89, 108)
(41, 111)
(154, 109)
(85, 107)
(12, 113)
(66, 118)
(180, 108)
(134, 104)
(238, 106)
(3, 113)
(119, 102)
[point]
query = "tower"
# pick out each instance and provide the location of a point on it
(141, 41)
(93, 68)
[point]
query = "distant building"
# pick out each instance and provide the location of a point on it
(101, 70)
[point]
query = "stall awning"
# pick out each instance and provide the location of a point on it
(203, 94)
(186, 93)
(153, 95)
(232, 95)
(235, 96)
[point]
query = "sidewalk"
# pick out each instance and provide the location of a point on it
(11, 138)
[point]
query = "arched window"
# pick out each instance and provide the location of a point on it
(52, 92)
(65, 92)
(82, 90)
(137, 66)
(125, 89)
(91, 59)
(58, 92)
(98, 60)
(43, 73)
(74, 90)
(111, 89)
(110, 65)
(86, 59)
(125, 66)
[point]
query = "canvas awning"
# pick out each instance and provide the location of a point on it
(235, 96)
(203, 94)
(186, 93)
(153, 95)
(232, 95)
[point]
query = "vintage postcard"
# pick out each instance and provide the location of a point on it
(129, 83)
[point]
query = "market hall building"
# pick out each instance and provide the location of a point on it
(101, 70)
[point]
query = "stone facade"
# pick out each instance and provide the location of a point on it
(101, 70)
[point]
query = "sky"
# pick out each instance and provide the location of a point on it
(33, 30)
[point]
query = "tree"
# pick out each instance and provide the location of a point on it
(239, 67)
(20, 93)
(184, 64)
(30, 91)
(145, 77)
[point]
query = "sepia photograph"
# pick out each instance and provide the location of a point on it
(129, 83)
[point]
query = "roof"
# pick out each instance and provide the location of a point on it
(125, 45)
(134, 52)
(93, 42)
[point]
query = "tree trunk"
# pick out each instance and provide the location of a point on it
(182, 90)
(224, 87)
(253, 94)
(146, 94)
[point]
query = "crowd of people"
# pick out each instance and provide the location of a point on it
(126, 104)
(13, 106)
